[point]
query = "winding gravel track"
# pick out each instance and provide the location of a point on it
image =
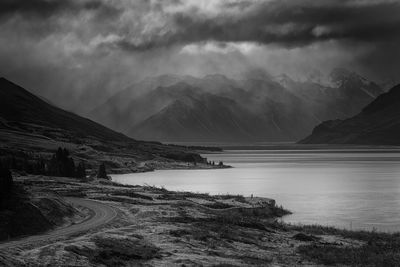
(102, 214)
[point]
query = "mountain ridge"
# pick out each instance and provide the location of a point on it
(288, 110)
(44, 113)
(377, 124)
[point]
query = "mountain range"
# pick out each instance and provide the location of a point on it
(31, 126)
(378, 124)
(219, 109)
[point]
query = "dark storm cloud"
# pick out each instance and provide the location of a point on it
(282, 22)
(47, 8)
(77, 52)
(285, 23)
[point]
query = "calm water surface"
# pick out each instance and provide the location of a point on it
(358, 189)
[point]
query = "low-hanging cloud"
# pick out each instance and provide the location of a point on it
(75, 51)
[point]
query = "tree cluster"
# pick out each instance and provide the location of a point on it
(60, 164)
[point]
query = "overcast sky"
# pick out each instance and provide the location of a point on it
(77, 52)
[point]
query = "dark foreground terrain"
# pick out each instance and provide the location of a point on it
(108, 224)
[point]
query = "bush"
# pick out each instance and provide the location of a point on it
(132, 195)
(371, 254)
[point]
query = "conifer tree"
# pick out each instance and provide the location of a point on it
(81, 170)
(6, 181)
(102, 171)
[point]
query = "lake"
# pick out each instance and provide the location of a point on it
(346, 188)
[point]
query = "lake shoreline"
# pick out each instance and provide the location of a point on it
(174, 228)
(150, 166)
(346, 189)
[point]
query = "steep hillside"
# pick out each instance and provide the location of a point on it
(377, 124)
(18, 106)
(31, 127)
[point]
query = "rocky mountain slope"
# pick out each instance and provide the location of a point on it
(377, 124)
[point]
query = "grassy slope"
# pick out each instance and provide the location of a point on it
(29, 124)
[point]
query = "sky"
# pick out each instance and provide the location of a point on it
(76, 53)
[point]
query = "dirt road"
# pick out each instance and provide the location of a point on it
(102, 214)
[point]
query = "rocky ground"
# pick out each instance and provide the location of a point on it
(156, 227)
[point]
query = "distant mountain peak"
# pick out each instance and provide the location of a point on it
(180, 87)
(351, 82)
(339, 76)
(284, 80)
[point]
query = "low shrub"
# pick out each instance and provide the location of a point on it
(132, 195)
(371, 254)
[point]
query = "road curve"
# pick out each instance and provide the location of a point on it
(102, 214)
